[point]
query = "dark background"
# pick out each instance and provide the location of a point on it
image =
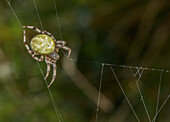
(122, 32)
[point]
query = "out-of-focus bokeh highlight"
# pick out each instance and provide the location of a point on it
(123, 32)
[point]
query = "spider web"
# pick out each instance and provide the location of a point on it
(136, 72)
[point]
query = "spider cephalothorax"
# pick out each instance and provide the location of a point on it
(45, 44)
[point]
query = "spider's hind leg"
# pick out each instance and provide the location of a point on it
(48, 71)
(54, 74)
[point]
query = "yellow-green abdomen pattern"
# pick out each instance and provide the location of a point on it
(42, 44)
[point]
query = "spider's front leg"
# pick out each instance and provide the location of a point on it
(32, 27)
(28, 49)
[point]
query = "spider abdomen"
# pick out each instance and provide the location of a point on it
(42, 44)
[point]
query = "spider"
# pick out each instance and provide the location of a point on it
(45, 44)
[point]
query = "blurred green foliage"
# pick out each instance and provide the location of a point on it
(133, 32)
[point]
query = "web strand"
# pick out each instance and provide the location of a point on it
(124, 93)
(39, 18)
(158, 97)
(52, 99)
(51, 96)
(103, 64)
(58, 24)
(141, 95)
(58, 21)
(161, 108)
(120, 66)
(8, 1)
(99, 95)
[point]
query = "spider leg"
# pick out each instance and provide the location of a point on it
(65, 48)
(54, 74)
(48, 71)
(26, 45)
(49, 34)
(61, 42)
(68, 49)
(30, 51)
(38, 59)
(39, 31)
(34, 28)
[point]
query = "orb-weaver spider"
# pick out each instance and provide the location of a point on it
(45, 44)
